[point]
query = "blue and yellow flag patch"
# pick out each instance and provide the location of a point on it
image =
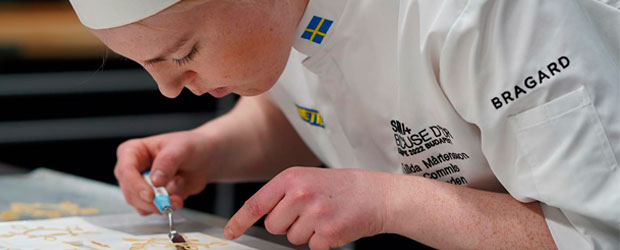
(317, 29)
(311, 116)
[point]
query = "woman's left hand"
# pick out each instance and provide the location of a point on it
(322, 207)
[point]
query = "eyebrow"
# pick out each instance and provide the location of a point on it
(175, 46)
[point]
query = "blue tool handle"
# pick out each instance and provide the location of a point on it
(161, 199)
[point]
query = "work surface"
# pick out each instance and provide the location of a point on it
(30, 195)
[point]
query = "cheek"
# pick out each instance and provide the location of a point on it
(252, 53)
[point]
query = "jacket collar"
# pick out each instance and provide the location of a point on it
(319, 23)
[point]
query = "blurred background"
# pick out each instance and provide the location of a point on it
(66, 103)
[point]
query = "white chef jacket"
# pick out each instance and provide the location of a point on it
(521, 96)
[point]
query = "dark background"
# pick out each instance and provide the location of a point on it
(66, 103)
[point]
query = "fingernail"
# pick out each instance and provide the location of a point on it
(229, 234)
(159, 176)
(145, 195)
(180, 184)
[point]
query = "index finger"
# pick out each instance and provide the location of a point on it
(131, 161)
(261, 203)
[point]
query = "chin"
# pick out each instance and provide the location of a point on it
(259, 88)
(252, 91)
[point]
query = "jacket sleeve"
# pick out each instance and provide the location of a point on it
(541, 80)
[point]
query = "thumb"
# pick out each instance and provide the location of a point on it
(166, 164)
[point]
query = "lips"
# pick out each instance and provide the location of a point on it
(219, 92)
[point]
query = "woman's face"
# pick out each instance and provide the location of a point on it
(214, 46)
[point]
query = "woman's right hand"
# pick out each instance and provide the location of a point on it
(180, 161)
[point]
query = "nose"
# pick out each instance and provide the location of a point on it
(172, 87)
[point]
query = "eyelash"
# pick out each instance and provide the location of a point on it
(187, 58)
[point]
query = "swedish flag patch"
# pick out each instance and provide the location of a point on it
(311, 116)
(317, 29)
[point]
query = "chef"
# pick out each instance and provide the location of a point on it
(460, 124)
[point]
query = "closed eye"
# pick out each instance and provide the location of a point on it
(188, 58)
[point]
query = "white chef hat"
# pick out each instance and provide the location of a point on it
(103, 14)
